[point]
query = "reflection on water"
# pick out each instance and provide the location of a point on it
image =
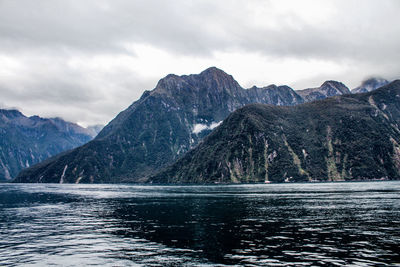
(273, 224)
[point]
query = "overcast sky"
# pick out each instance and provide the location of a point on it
(88, 60)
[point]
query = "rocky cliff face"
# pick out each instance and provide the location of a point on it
(157, 129)
(351, 137)
(25, 141)
(370, 85)
(327, 89)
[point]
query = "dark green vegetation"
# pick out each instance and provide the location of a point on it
(25, 141)
(350, 137)
(160, 128)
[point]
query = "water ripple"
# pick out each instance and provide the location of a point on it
(331, 224)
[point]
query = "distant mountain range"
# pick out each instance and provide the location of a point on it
(162, 126)
(25, 141)
(350, 137)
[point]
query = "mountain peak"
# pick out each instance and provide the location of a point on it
(336, 86)
(211, 71)
(214, 71)
(212, 79)
(215, 79)
(330, 82)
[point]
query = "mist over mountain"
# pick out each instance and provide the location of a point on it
(369, 85)
(25, 141)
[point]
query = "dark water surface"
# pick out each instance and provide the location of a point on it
(274, 224)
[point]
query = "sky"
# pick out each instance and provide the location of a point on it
(88, 60)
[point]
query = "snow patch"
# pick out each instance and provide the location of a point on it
(199, 127)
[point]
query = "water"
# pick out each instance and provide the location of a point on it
(274, 224)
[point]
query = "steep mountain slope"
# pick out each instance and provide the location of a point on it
(157, 129)
(351, 137)
(327, 89)
(25, 141)
(370, 85)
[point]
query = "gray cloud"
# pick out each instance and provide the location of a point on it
(197, 27)
(78, 59)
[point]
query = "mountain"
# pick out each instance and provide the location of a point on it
(350, 137)
(25, 141)
(370, 85)
(327, 89)
(157, 129)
